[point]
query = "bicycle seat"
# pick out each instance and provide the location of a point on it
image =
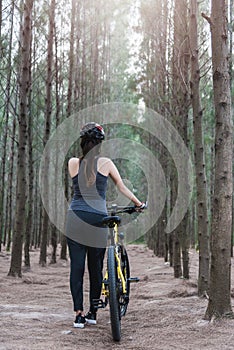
(111, 220)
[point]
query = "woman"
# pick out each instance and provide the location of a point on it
(84, 230)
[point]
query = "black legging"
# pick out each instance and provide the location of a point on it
(95, 257)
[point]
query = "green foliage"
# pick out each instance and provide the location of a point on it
(121, 53)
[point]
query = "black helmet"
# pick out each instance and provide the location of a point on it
(92, 131)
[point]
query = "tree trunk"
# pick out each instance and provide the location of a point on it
(21, 186)
(231, 23)
(8, 223)
(180, 106)
(73, 57)
(175, 235)
(220, 273)
(202, 213)
(5, 135)
(29, 218)
(71, 60)
(83, 82)
(54, 231)
(49, 79)
(77, 68)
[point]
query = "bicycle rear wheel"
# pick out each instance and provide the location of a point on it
(113, 295)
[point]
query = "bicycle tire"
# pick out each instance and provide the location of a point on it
(113, 295)
(126, 273)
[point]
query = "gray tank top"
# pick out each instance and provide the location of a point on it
(89, 198)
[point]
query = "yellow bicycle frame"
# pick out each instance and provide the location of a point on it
(120, 275)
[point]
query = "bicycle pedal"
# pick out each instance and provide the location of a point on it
(99, 303)
(133, 279)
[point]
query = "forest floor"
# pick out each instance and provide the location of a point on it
(164, 313)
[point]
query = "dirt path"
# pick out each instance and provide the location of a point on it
(164, 313)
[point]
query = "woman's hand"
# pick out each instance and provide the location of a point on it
(140, 208)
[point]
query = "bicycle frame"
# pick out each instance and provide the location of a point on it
(115, 242)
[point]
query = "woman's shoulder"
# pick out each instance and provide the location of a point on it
(104, 165)
(73, 160)
(104, 161)
(73, 166)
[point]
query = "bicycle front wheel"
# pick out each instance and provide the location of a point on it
(113, 294)
(124, 298)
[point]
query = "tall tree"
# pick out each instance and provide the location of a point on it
(54, 231)
(202, 213)
(10, 180)
(29, 219)
(21, 187)
(220, 273)
(154, 19)
(6, 114)
(48, 112)
(73, 71)
(231, 29)
(180, 106)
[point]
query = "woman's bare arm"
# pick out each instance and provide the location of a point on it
(73, 166)
(114, 173)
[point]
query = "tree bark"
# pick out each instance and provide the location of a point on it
(220, 273)
(29, 218)
(54, 231)
(180, 106)
(21, 187)
(202, 212)
(8, 223)
(73, 90)
(6, 123)
(71, 59)
(49, 79)
(231, 24)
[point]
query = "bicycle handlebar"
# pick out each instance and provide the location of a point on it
(117, 209)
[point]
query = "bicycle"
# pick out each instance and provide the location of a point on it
(116, 282)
